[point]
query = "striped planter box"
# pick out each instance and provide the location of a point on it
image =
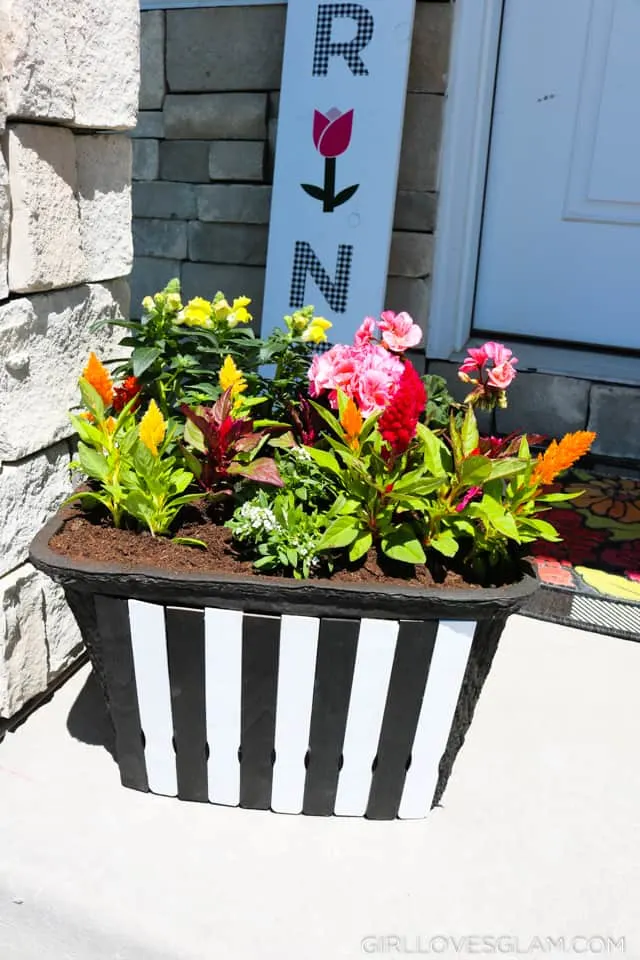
(297, 697)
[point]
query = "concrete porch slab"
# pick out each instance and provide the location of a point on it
(538, 836)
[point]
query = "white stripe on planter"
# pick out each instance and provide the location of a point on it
(296, 674)
(446, 673)
(149, 645)
(223, 659)
(374, 660)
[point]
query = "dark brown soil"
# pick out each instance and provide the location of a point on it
(90, 538)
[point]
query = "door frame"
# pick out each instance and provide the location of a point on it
(464, 158)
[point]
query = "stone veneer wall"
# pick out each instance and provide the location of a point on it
(203, 152)
(68, 76)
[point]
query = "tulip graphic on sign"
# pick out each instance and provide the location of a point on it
(331, 137)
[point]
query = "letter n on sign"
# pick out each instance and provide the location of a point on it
(344, 86)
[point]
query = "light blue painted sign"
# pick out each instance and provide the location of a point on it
(338, 150)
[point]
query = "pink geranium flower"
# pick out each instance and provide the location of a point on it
(365, 332)
(501, 375)
(399, 332)
(491, 369)
(476, 360)
(498, 353)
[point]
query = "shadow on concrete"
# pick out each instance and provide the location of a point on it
(88, 719)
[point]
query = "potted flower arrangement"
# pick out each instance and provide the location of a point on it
(291, 564)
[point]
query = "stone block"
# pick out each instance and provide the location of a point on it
(30, 492)
(45, 249)
(204, 280)
(5, 220)
(225, 48)
(415, 210)
(165, 201)
(44, 344)
(236, 160)
(146, 159)
(38, 637)
(150, 125)
(24, 668)
(149, 275)
(104, 197)
(64, 643)
(274, 104)
(215, 116)
(160, 238)
(411, 254)
(228, 243)
(421, 142)
(412, 295)
(614, 414)
(151, 60)
(185, 160)
(75, 63)
(430, 48)
(234, 203)
(544, 403)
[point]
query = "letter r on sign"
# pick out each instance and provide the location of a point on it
(350, 50)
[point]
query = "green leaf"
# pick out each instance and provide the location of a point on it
(361, 545)
(341, 533)
(144, 462)
(433, 449)
(475, 470)
(180, 480)
(325, 460)
(445, 543)
(139, 506)
(508, 467)
(559, 497)
(194, 436)
(470, 435)
(524, 453)
(456, 440)
(94, 464)
(492, 511)
(190, 542)
(142, 358)
(328, 418)
(91, 399)
(86, 431)
(541, 529)
(402, 544)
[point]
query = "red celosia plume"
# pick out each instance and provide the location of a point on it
(398, 422)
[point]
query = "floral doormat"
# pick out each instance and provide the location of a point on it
(592, 578)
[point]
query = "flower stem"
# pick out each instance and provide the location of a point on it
(329, 184)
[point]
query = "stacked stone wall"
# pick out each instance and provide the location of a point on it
(69, 82)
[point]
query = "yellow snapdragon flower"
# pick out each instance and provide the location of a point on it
(197, 313)
(231, 314)
(316, 331)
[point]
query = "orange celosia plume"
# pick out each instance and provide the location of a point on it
(98, 376)
(560, 456)
(351, 421)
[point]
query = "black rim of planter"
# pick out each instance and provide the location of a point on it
(259, 593)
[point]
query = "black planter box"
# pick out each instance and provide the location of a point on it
(296, 696)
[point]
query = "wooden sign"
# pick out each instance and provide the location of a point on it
(342, 104)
